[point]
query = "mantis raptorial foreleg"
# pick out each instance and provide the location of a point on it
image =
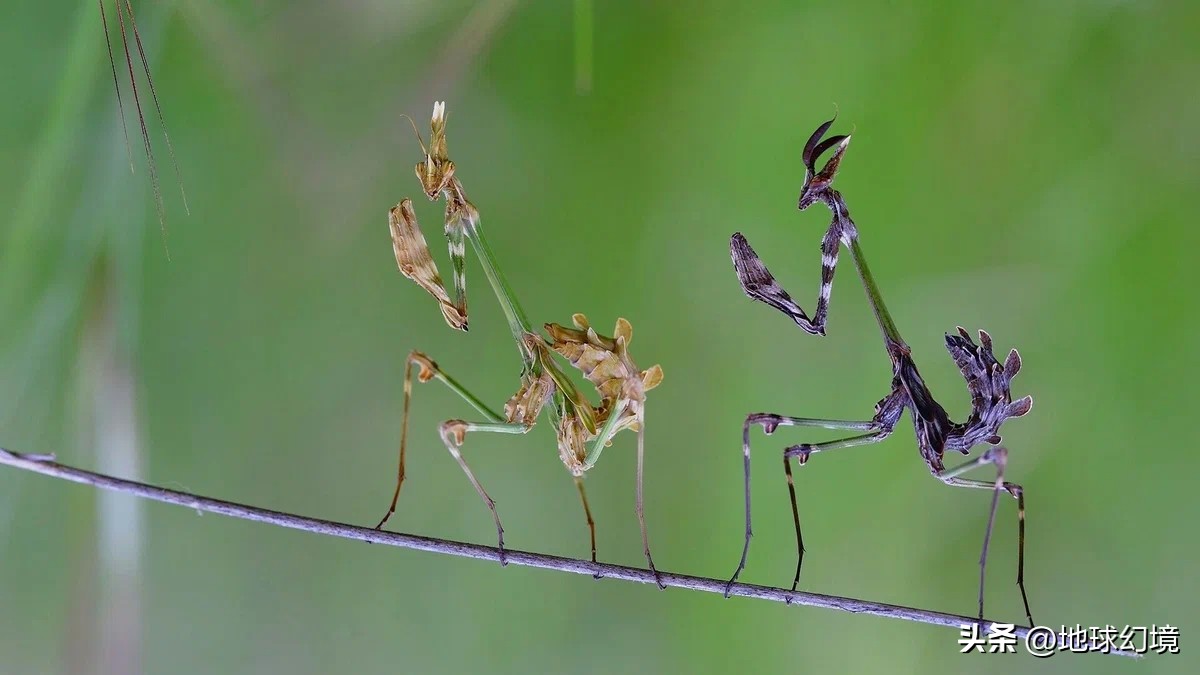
(415, 262)
(758, 282)
(459, 216)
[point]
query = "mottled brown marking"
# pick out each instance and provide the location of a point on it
(415, 262)
(605, 362)
(525, 405)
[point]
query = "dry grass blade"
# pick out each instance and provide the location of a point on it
(127, 25)
(137, 37)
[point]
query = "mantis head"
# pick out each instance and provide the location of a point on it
(817, 182)
(436, 171)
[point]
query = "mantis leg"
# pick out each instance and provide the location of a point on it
(759, 284)
(456, 242)
(640, 505)
(602, 439)
(415, 262)
(999, 457)
(587, 511)
(878, 429)
(801, 453)
(428, 370)
(454, 433)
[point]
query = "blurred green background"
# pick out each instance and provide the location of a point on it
(1028, 167)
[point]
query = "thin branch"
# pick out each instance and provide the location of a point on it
(45, 465)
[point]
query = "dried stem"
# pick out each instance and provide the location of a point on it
(45, 465)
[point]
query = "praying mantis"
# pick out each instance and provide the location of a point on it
(988, 382)
(583, 429)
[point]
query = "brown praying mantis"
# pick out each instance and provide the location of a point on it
(987, 380)
(583, 429)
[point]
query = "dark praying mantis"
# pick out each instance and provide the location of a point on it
(988, 380)
(583, 429)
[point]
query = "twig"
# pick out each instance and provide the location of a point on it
(45, 465)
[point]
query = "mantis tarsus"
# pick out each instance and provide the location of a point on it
(987, 380)
(584, 430)
(124, 13)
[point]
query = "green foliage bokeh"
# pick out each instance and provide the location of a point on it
(1028, 168)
